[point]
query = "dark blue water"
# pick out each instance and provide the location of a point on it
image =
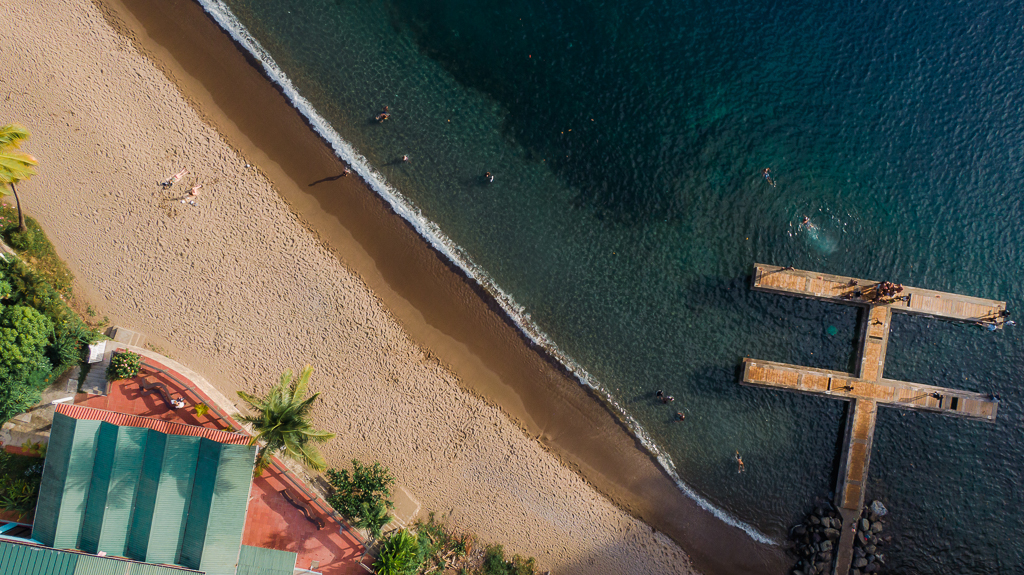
(627, 141)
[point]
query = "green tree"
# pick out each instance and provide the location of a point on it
(15, 165)
(24, 335)
(282, 422)
(364, 496)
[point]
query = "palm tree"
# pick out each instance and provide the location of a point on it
(282, 422)
(15, 165)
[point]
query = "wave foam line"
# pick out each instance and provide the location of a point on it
(427, 229)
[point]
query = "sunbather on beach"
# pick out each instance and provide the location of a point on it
(174, 179)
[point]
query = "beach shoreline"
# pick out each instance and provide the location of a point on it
(445, 314)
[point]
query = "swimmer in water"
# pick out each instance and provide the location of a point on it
(767, 173)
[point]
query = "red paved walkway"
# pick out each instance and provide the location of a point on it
(271, 521)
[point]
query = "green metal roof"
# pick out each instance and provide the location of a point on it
(18, 559)
(260, 561)
(140, 493)
(22, 559)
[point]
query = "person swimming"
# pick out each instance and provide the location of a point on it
(767, 173)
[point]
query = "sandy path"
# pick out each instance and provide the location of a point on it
(237, 289)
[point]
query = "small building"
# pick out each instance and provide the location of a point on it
(124, 494)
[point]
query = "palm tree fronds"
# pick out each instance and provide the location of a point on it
(13, 134)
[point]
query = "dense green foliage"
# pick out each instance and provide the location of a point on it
(495, 563)
(35, 248)
(439, 550)
(19, 482)
(364, 496)
(124, 365)
(282, 422)
(399, 555)
(40, 336)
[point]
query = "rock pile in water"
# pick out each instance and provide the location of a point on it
(814, 540)
(867, 557)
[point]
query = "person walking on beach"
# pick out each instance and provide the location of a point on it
(739, 461)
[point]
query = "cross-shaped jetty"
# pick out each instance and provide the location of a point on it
(867, 389)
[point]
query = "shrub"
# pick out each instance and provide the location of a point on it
(34, 246)
(495, 564)
(398, 555)
(24, 335)
(124, 365)
(364, 496)
(19, 482)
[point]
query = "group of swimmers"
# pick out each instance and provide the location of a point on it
(669, 399)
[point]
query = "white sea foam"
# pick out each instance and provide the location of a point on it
(220, 12)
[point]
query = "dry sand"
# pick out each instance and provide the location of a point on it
(238, 288)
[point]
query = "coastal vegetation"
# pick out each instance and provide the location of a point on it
(124, 365)
(19, 482)
(282, 422)
(363, 496)
(40, 336)
(432, 547)
(15, 165)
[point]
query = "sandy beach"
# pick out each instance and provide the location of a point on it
(277, 265)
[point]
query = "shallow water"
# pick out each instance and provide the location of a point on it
(627, 143)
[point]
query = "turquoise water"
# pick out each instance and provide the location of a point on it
(627, 142)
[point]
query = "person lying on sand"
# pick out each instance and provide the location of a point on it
(194, 191)
(174, 179)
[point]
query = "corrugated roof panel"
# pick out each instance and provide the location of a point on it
(96, 504)
(260, 561)
(199, 508)
(174, 494)
(20, 559)
(145, 499)
(122, 489)
(92, 565)
(55, 470)
(169, 427)
(227, 509)
(76, 485)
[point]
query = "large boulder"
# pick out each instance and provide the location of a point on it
(876, 527)
(877, 508)
(832, 534)
(860, 562)
(871, 549)
(864, 525)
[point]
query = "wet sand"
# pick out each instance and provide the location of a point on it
(406, 409)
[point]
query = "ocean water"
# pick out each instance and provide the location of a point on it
(627, 142)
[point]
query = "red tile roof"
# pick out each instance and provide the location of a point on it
(168, 427)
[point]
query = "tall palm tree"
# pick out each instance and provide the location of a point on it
(282, 422)
(15, 165)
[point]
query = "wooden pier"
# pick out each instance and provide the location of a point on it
(867, 389)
